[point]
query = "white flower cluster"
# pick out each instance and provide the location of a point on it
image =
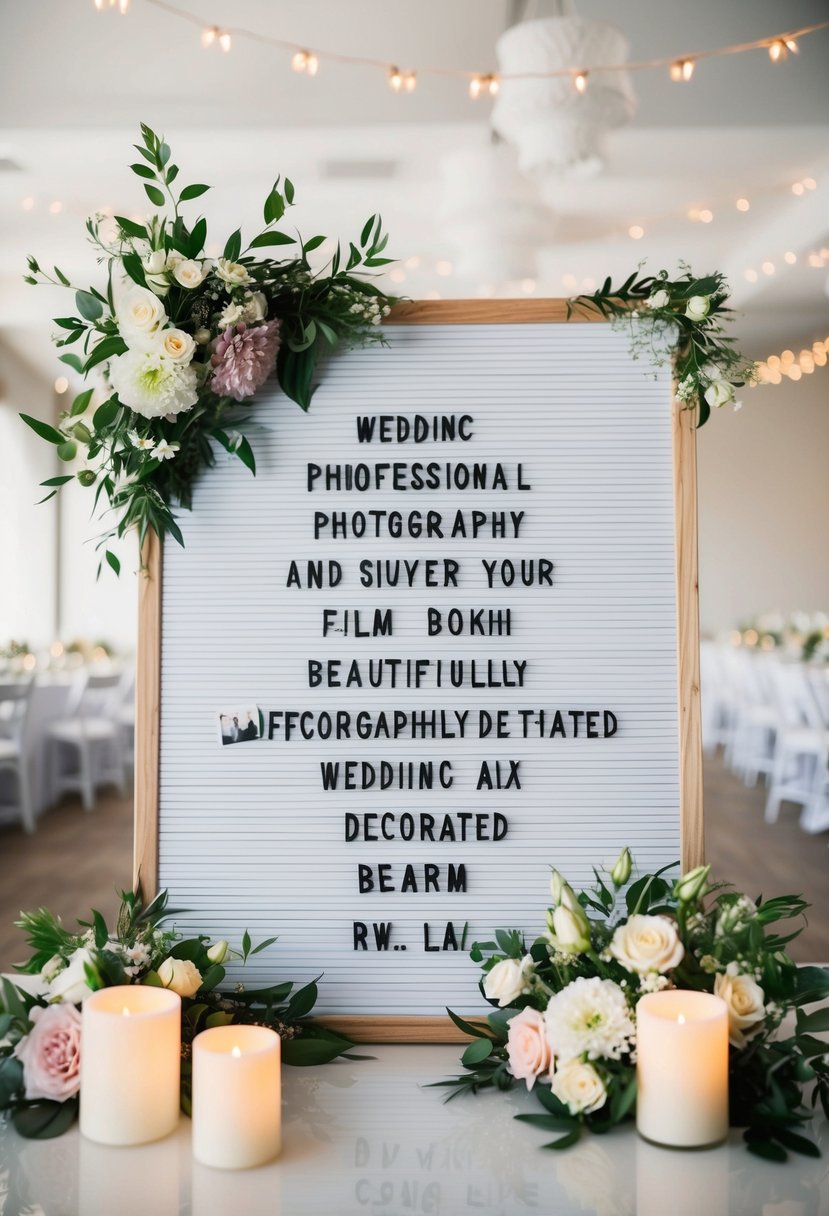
(155, 376)
(370, 310)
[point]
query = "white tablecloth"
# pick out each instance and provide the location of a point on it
(367, 1137)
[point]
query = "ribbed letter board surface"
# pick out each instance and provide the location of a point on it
(449, 598)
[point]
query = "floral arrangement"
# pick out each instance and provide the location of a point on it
(565, 1022)
(40, 1019)
(686, 316)
(801, 635)
(179, 340)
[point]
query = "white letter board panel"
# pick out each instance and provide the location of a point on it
(544, 711)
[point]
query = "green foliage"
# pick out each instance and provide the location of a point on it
(318, 310)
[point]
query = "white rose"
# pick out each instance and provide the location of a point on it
(647, 943)
(218, 951)
(180, 975)
(507, 980)
(579, 1087)
(156, 262)
(232, 315)
(176, 345)
(719, 393)
(140, 314)
(232, 273)
(190, 273)
(698, 307)
(256, 307)
(659, 299)
(50, 969)
(745, 1000)
(70, 985)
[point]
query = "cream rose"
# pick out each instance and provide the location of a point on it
(719, 393)
(659, 299)
(190, 273)
(579, 1087)
(745, 1000)
(51, 1053)
(140, 314)
(570, 930)
(528, 1049)
(176, 345)
(232, 273)
(154, 272)
(647, 943)
(256, 307)
(232, 315)
(180, 975)
(698, 308)
(507, 980)
(218, 951)
(70, 985)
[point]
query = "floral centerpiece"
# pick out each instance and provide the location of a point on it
(565, 1017)
(684, 315)
(178, 340)
(40, 1019)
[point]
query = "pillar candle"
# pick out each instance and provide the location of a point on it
(237, 1118)
(130, 1064)
(682, 1068)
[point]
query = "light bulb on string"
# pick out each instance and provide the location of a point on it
(224, 41)
(682, 70)
(798, 188)
(790, 258)
(580, 82)
(395, 79)
(743, 204)
(209, 35)
(410, 82)
(479, 85)
(305, 61)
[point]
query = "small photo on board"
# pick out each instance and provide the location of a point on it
(239, 725)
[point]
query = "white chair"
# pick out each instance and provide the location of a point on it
(802, 751)
(15, 697)
(91, 734)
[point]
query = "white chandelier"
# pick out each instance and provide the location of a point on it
(558, 124)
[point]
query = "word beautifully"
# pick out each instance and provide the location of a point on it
(417, 673)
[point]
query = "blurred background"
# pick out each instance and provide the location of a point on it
(489, 188)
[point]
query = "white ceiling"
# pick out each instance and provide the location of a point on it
(75, 83)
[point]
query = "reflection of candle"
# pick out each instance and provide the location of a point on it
(682, 1068)
(682, 1184)
(130, 1061)
(236, 1096)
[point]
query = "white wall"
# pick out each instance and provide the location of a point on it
(764, 504)
(27, 532)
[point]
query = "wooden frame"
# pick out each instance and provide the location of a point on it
(148, 675)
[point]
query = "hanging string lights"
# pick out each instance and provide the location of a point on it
(479, 84)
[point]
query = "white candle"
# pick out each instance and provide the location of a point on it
(237, 1117)
(682, 1068)
(130, 1064)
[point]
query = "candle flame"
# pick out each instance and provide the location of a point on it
(681, 1019)
(125, 1012)
(236, 1052)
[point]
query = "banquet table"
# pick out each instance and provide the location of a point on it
(368, 1136)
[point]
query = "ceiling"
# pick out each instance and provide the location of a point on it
(74, 84)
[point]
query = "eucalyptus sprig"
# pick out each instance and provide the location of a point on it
(685, 316)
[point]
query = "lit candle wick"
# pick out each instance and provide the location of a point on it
(681, 1019)
(236, 1052)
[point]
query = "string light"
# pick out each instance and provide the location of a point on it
(751, 275)
(61, 385)
(636, 232)
(307, 62)
(781, 48)
(56, 207)
(27, 203)
(810, 183)
(742, 204)
(478, 85)
(401, 81)
(224, 41)
(682, 70)
(706, 216)
(121, 5)
(798, 188)
(773, 369)
(209, 35)
(580, 82)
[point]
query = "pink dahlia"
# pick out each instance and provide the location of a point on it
(243, 358)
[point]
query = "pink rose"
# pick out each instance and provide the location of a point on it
(51, 1053)
(528, 1049)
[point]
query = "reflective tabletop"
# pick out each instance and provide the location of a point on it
(369, 1137)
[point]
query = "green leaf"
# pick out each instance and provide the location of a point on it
(113, 561)
(798, 1144)
(313, 244)
(289, 192)
(565, 1141)
(43, 429)
(212, 977)
(171, 174)
(100, 929)
(132, 264)
(767, 1149)
(550, 1123)
(475, 1030)
(192, 192)
(813, 1023)
(155, 195)
(269, 941)
(300, 1053)
(73, 361)
(272, 238)
(197, 238)
(107, 348)
(245, 453)
(218, 1019)
(302, 1002)
(548, 1099)
(11, 1078)
(42, 1120)
(81, 402)
(233, 245)
(245, 944)
(274, 208)
(40, 501)
(294, 371)
(131, 228)
(106, 413)
(367, 227)
(88, 305)
(143, 171)
(385, 262)
(477, 1051)
(163, 153)
(57, 481)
